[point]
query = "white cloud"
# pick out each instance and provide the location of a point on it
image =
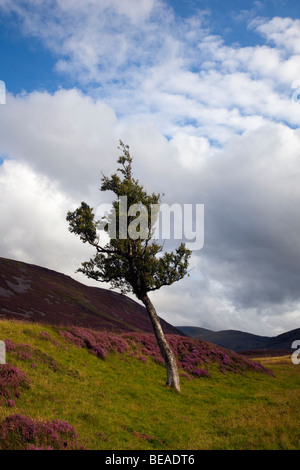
(67, 135)
(192, 151)
(33, 227)
(284, 32)
(207, 123)
(147, 64)
(95, 39)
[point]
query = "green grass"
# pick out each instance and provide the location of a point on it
(122, 403)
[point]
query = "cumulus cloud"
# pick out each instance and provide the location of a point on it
(284, 32)
(33, 227)
(67, 136)
(207, 123)
(146, 63)
(247, 274)
(251, 196)
(94, 39)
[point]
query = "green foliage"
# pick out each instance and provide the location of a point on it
(129, 263)
(82, 223)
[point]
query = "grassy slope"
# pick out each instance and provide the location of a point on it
(123, 404)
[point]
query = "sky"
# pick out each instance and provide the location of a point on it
(206, 93)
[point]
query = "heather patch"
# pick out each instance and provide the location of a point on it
(23, 433)
(26, 352)
(122, 403)
(12, 382)
(194, 356)
(98, 343)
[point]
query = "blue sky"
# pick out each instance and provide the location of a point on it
(163, 51)
(25, 64)
(207, 95)
(230, 17)
(28, 64)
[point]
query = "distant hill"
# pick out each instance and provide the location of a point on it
(37, 294)
(241, 341)
(194, 331)
(283, 341)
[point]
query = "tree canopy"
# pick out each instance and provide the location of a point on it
(128, 263)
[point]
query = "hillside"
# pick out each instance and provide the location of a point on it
(83, 371)
(71, 387)
(37, 294)
(242, 341)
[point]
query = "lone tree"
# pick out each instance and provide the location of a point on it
(132, 260)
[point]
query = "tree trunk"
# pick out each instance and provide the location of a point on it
(166, 351)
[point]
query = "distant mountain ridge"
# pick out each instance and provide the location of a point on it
(239, 341)
(37, 294)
